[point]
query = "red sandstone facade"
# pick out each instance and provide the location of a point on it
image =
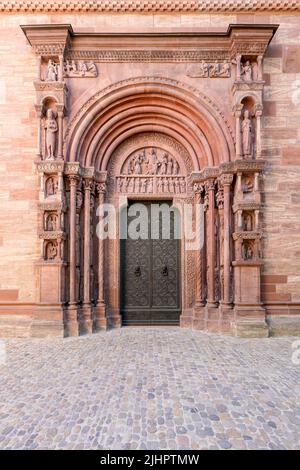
(214, 87)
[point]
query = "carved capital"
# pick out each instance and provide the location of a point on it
(88, 184)
(210, 185)
(198, 188)
(100, 188)
(237, 110)
(226, 179)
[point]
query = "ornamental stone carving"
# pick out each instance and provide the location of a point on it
(213, 70)
(51, 131)
(73, 69)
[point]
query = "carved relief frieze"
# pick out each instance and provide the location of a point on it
(210, 69)
(152, 55)
(79, 69)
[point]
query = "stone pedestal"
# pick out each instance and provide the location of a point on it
(249, 315)
(85, 320)
(199, 317)
(71, 321)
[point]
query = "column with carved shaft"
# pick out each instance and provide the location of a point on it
(226, 181)
(86, 316)
(211, 244)
(258, 114)
(60, 112)
(199, 312)
(259, 66)
(237, 113)
(100, 321)
(61, 68)
(71, 327)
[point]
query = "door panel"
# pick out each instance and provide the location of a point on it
(150, 274)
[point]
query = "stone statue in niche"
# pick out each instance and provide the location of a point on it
(248, 222)
(246, 71)
(247, 135)
(51, 222)
(247, 186)
(248, 252)
(51, 131)
(51, 251)
(52, 71)
(51, 186)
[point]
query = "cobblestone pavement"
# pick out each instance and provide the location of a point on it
(150, 388)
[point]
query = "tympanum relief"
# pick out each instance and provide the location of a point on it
(151, 170)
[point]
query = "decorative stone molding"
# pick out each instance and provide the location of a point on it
(148, 6)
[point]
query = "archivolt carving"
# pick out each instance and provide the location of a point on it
(139, 80)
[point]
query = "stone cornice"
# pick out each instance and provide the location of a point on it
(55, 39)
(148, 5)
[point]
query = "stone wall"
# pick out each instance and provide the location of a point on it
(19, 246)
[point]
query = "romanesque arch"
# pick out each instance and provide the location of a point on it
(153, 137)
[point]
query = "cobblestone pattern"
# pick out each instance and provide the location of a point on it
(155, 388)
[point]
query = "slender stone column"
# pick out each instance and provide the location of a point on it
(238, 113)
(259, 67)
(39, 113)
(61, 68)
(258, 114)
(199, 310)
(211, 243)
(226, 182)
(100, 315)
(238, 66)
(60, 133)
(86, 324)
(71, 315)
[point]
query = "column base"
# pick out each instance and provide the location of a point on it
(100, 321)
(71, 321)
(85, 320)
(199, 317)
(212, 318)
(186, 318)
(226, 318)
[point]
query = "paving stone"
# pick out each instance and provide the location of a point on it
(149, 388)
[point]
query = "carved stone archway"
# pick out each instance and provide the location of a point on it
(88, 163)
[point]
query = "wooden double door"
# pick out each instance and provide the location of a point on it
(150, 269)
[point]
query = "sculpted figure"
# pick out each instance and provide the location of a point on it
(92, 69)
(164, 165)
(176, 168)
(248, 222)
(51, 251)
(51, 71)
(247, 187)
(246, 71)
(200, 71)
(51, 130)
(50, 187)
(247, 131)
(82, 68)
(215, 70)
(224, 70)
(137, 165)
(170, 166)
(51, 222)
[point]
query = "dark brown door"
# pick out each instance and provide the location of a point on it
(150, 274)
